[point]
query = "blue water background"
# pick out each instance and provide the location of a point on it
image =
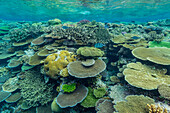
(75, 10)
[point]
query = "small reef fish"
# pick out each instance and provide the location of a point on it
(135, 37)
(99, 45)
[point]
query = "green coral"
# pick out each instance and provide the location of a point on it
(90, 52)
(99, 92)
(90, 100)
(68, 88)
(159, 44)
(134, 104)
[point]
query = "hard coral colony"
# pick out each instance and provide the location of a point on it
(85, 67)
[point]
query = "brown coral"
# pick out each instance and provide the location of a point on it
(78, 70)
(134, 104)
(159, 55)
(144, 76)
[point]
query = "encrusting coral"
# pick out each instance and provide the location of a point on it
(56, 63)
(144, 76)
(34, 90)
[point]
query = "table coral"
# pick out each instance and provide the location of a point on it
(72, 99)
(77, 70)
(90, 52)
(134, 104)
(10, 85)
(57, 62)
(145, 76)
(159, 55)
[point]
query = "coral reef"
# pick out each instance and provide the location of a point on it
(77, 70)
(164, 91)
(4, 95)
(72, 99)
(159, 55)
(90, 100)
(34, 90)
(144, 76)
(68, 88)
(13, 98)
(10, 85)
(57, 62)
(99, 92)
(153, 109)
(104, 106)
(134, 104)
(90, 52)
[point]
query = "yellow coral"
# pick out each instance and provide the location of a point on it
(56, 62)
(153, 109)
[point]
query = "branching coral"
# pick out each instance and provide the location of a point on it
(34, 90)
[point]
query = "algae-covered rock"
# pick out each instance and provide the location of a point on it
(90, 52)
(134, 104)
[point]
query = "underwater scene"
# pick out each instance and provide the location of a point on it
(84, 56)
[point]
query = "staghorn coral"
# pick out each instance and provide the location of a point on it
(159, 55)
(134, 104)
(56, 63)
(34, 90)
(145, 76)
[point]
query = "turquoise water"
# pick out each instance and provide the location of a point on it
(84, 56)
(75, 10)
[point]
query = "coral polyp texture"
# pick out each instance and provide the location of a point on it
(56, 63)
(159, 55)
(78, 70)
(145, 76)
